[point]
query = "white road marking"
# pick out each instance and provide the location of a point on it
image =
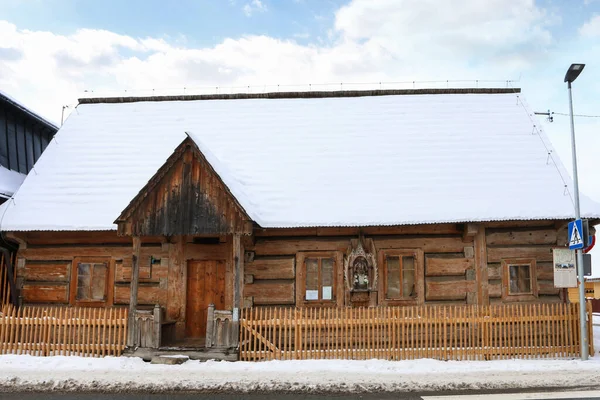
(520, 396)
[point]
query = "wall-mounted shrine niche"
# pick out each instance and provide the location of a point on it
(360, 273)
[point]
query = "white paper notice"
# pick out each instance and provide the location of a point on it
(327, 293)
(565, 273)
(312, 295)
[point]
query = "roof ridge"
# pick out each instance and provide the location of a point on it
(298, 95)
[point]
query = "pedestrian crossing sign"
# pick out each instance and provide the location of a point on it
(576, 235)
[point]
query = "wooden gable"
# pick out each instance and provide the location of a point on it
(185, 197)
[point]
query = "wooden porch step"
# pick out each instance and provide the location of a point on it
(201, 354)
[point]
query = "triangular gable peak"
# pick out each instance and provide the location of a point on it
(185, 197)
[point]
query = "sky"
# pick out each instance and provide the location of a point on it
(54, 51)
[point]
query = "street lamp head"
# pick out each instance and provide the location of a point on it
(573, 72)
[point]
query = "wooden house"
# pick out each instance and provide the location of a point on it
(315, 200)
(24, 135)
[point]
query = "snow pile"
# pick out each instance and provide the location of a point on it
(132, 374)
(114, 374)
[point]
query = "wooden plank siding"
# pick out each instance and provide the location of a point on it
(185, 197)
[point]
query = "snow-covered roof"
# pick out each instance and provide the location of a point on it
(292, 162)
(9, 181)
(11, 100)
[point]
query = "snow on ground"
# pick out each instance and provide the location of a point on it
(132, 374)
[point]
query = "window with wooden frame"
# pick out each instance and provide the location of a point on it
(89, 281)
(401, 280)
(318, 281)
(519, 279)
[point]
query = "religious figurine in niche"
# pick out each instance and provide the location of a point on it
(360, 267)
(361, 274)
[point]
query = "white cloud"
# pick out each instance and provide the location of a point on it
(592, 27)
(254, 6)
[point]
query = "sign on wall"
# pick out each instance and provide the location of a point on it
(565, 272)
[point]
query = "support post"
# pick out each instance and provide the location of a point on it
(210, 322)
(238, 271)
(157, 325)
(579, 252)
(481, 268)
(133, 295)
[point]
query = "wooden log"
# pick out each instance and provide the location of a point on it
(437, 266)
(545, 271)
(272, 268)
(271, 292)
(495, 289)
(133, 296)
(81, 237)
(540, 253)
(45, 293)
(547, 288)
(46, 272)
(275, 246)
(521, 237)
(448, 290)
(427, 229)
(147, 295)
(68, 253)
(201, 252)
(494, 271)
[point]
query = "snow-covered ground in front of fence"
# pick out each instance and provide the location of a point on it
(120, 374)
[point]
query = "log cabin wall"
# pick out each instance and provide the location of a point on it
(47, 269)
(47, 262)
(531, 240)
(447, 274)
(460, 264)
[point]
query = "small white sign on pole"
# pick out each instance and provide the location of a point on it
(565, 272)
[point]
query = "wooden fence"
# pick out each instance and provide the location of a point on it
(401, 333)
(46, 331)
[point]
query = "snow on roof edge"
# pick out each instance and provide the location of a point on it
(28, 110)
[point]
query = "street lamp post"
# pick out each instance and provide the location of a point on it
(571, 75)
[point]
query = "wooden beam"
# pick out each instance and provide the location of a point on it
(12, 236)
(481, 268)
(135, 278)
(470, 230)
(238, 270)
(176, 289)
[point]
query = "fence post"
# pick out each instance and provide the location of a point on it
(132, 337)
(210, 317)
(590, 325)
(297, 335)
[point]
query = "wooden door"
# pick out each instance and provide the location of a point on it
(205, 285)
